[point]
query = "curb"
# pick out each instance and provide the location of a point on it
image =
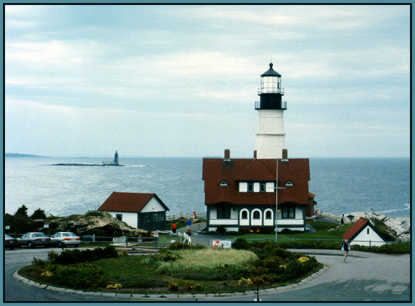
(163, 296)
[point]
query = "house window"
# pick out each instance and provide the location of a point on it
(289, 184)
(244, 215)
(368, 231)
(256, 215)
(250, 187)
(268, 215)
(262, 187)
(224, 212)
(223, 183)
(288, 212)
(119, 217)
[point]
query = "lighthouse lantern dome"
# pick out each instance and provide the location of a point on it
(270, 81)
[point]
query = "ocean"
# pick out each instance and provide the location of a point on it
(341, 185)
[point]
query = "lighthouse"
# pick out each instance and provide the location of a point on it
(270, 137)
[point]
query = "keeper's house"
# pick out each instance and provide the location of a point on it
(240, 193)
(139, 210)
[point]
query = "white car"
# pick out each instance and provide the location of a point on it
(63, 239)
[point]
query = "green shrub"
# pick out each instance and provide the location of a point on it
(68, 257)
(185, 246)
(393, 248)
(240, 244)
(77, 276)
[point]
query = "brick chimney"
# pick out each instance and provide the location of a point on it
(284, 154)
(227, 155)
(255, 154)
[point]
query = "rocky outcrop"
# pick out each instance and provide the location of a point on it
(399, 228)
(93, 222)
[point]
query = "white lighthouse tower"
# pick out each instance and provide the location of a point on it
(270, 138)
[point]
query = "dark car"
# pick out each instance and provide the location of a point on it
(34, 239)
(9, 242)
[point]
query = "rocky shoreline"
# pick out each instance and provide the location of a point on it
(398, 227)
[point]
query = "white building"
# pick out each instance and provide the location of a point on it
(139, 210)
(363, 233)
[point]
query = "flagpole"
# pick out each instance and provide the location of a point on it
(276, 202)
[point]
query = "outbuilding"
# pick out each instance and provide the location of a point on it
(139, 210)
(363, 233)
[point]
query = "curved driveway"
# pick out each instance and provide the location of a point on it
(365, 277)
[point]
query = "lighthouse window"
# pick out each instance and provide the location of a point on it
(250, 187)
(244, 215)
(223, 183)
(224, 213)
(256, 215)
(262, 187)
(288, 212)
(289, 184)
(268, 215)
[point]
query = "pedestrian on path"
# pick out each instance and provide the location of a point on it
(345, 248)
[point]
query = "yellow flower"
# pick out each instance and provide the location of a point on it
(303, 259)
(114, 286)
(283, 266)
(47, 274)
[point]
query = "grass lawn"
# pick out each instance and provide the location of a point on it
(324, 231)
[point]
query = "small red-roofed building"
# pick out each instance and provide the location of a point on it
(139, 210)
(363, 233)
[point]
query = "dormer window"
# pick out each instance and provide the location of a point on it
(289, 184)
(223, 183)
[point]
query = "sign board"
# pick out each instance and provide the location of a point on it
(156, 234)
(226, 244)
(122, 239)
(45, 225)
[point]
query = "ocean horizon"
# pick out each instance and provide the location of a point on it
(341, 184)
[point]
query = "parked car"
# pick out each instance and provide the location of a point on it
(63, 239)
(9, 242)
(33, 239)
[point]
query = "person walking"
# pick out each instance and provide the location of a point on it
(345, 248)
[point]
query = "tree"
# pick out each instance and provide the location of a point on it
(21, 211)
(38, 214)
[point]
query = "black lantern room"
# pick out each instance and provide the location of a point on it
(270, 92)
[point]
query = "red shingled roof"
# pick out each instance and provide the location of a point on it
(128, 202)
(255, 170)
(355, 229)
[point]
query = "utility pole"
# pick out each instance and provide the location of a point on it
(276, 201)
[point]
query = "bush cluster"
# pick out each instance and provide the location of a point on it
(78, 276)
(276, 264)
(185, 246)
(393, 248)
(68, 257)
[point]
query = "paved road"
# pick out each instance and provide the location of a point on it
(365, 277)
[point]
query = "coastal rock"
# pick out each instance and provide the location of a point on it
(92, 222)
(397, 227)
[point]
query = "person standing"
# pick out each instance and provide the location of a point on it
(345, 248)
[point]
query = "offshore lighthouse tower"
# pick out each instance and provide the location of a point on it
(270, 138)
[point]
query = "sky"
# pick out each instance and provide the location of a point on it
(170, 81)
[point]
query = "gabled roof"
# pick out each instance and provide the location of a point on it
(356, 228)
(128, 202)
(255, 170)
